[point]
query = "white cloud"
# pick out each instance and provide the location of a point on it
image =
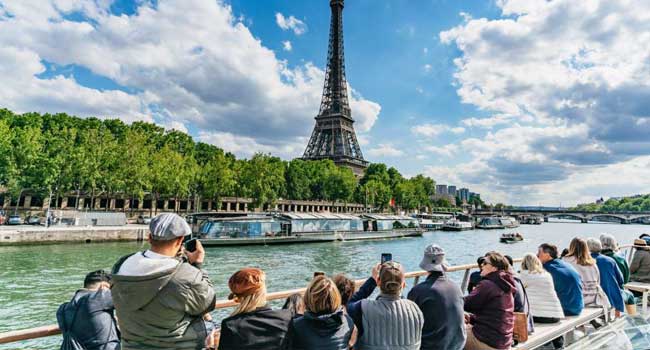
(563, 81)
(433, 130)
(286, 45)
(203, 69)
(385, 150)
(290, 23)
(489, 122)
(427, 68)
(444, 151)
(243, 146)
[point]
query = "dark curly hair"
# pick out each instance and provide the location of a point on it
(345, 286)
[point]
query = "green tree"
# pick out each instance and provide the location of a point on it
(340, 184)
(376, 194)
(299, 180)
(263, 177)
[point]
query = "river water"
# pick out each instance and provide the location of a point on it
(34, 280)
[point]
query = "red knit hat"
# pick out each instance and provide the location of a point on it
(246, 282)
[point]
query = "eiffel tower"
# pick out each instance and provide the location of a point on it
(333, 136)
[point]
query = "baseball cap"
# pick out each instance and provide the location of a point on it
(168, 226)
(433, 259)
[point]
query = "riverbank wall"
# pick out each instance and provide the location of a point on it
(10, 236)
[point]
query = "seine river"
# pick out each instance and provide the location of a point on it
(34, 280)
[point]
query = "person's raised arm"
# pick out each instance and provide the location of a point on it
(354, 305)
(201, 297)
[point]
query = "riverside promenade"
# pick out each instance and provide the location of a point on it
(26, 234)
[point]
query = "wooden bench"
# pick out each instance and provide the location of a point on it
(642, 288)
(546, 332)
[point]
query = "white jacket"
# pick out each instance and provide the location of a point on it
(541, 294)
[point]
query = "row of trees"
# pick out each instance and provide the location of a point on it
(56, 154)
(636, 203)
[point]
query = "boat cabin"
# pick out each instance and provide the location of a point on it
(243, 226)
(319, 222)
(379, 222)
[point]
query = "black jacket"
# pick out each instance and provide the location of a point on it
(321, 332)
(441, 302)
(262, 329)
(89, 318)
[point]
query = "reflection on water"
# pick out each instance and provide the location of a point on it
(34, 280)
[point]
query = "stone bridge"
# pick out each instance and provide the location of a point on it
(584, 216)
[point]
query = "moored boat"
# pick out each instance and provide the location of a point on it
(456, 225)
(431, 222)
(304, 228)
(496, 222)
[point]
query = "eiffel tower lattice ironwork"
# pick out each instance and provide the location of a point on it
(333, 136)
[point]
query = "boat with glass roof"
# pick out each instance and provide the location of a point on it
(304, 228)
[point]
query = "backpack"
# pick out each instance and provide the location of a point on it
(70, 342)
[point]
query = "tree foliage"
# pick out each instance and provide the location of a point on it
(635, 203)
(57, 154)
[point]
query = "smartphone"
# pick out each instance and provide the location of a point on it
(386, 257)
(319, 273)
(190, 245)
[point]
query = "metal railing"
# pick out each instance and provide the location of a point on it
(50, 330)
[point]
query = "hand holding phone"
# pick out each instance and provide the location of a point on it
(386, 257)
(190, 245)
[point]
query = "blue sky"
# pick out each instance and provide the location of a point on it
(525, 101)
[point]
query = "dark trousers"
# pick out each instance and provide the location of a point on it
(558, 343)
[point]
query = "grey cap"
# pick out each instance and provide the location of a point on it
(168, 226)
(433, 259)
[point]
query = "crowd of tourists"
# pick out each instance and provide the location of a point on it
(161, 298)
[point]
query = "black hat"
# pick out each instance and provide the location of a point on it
(97, 277)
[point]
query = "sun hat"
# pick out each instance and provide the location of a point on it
(433, 259)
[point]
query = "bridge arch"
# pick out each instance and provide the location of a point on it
(575, 216)
(622, 219)
(640, 218)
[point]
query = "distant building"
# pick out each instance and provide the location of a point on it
(441, 190)
(451, 190)
(463, 194)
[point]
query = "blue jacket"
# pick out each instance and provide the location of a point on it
(89, 318)
(611, 280)
(354, 304)
(441, 302)
(568, 286)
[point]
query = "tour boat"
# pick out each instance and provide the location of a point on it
(456, 225)
(495, 222)
(511, 238)
(304, 228)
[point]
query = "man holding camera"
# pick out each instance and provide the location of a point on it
(160, 296)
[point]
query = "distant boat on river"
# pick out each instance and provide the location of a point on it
(456, 225)
(496, 222)
(511, 238)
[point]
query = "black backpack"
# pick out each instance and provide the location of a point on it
(70, 342)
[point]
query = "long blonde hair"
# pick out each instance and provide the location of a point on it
(322, 296)
(250, 302)
(580, 251)
(532, 264)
